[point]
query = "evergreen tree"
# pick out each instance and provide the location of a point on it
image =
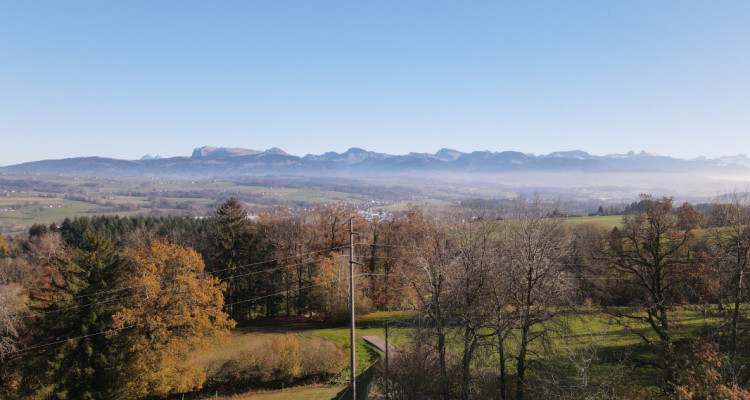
(82, 303)
(230, 251)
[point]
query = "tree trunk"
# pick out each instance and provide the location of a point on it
(443, 367)
(501, 353)
(469, 345)
(521, 369)
(735, 329)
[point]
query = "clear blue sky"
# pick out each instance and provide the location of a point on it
(125, 78)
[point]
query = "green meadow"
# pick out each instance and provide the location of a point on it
(575, 334)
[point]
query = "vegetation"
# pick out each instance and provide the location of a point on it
(509, 302)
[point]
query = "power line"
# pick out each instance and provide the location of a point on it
(220, 270)
(44, 312)
(104, 332)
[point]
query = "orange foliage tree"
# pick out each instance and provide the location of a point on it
(175, 310)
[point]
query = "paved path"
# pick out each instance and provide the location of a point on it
(379, 343)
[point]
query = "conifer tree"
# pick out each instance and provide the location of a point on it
(230, 251)
(80, 310)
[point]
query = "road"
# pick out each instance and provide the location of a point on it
(379, 344)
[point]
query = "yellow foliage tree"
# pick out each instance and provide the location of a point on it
(175, 310)
(331, 291)
(3, 247)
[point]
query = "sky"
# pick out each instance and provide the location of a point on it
(126, 78)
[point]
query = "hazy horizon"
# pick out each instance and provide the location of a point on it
(153, 154)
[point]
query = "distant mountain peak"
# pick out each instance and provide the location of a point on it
(448, 154)
(210, 151)
(276, 150)
(577, 154)
(232, 162)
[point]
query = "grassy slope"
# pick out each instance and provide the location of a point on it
(371, 324)
(584, 329)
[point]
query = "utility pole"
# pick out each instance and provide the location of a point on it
(351, 307)
(387, 378)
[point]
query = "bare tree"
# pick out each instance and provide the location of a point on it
(731, 248)
(286, 235)
(47, 248)
(532, 251)
(502, 321)
(469, 285)
(572, 373)
(431, 264)
(650, 257)
(12, 308)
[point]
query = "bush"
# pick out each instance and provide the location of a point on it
(415, 374)
(278, 360)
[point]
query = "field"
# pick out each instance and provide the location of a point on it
(608, 221)
(42, 199)
(582, 332)
(244, 337)
(27, 199)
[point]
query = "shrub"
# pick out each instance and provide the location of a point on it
(276, 360)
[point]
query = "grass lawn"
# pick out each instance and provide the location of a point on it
(242, 337)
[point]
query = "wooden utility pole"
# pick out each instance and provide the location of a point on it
(387, 378)
(351, 308)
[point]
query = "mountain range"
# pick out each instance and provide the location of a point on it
(225, 162)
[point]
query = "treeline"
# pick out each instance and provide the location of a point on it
(110, 307)
(497, 297)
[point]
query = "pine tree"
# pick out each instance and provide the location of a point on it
(80, 309)
(231, 249)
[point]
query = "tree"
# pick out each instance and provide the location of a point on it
(651, 256)
(469, 285)
(532, 252)
(331, 291)
(3, 247)
(700, 375)
(431, 272)
(231, 249)
(84, 365)
(731, 248)
(12, 309)
(333, 224)
(288, 237)
(385, 258)
(176, 309)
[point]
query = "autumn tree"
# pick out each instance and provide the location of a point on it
(650, 257)
(333, 224)
(290, 241)
(12, 309)
(3, 247)
(431, 272)
(175, 310)
(700, 377)
(331, 289)
(385, 257)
